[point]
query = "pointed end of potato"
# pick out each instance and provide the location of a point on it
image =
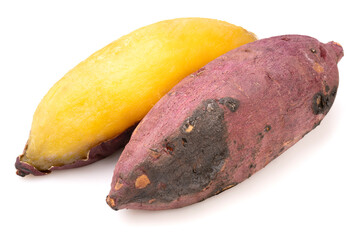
(337, 49)
(96, 153)
(23, 168)
(111, 202)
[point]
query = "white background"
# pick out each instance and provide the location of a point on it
(310, 192)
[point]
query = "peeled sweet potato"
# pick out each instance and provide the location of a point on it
(92, 110)
(226, 121)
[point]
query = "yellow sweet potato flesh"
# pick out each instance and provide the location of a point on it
(116, 86)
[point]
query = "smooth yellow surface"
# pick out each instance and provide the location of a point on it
(116, 86)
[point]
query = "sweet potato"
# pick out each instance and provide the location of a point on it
(226, 121)
(91, 111)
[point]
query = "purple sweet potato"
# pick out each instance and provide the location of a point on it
(226, 121)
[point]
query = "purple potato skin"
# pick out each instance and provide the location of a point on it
(225, 122)
(96, 153)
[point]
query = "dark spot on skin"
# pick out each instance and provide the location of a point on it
(281, 150)
(268, 75)
(313, 50)
(260, 136)
(327, 88)
(231, 103)
(316, 124)
(267, 128)
(322, 103)
(252, 165)
(246, 50)
(305, 133)
(189, 169)
(285, 39)
(249, 175)
(318, 104)
(184, 142)
(169, 147)
(333, 92)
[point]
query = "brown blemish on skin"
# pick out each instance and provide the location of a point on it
(321, 103)
(318, 68)
(334, 91)
(169, 148)
(267, 128)
(285, 39)
(192, 166)
(142, 181)
(281, 150)
(246, 50)
(327, 88)
(151, 201)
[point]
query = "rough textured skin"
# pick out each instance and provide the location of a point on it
(96, 153)
(226, 121)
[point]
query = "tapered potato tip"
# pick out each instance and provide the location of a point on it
(337, 48)
(96, 153)
(23, 168)
(111, 202)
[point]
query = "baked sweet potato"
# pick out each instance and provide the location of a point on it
(226, 121)
(92, 110)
